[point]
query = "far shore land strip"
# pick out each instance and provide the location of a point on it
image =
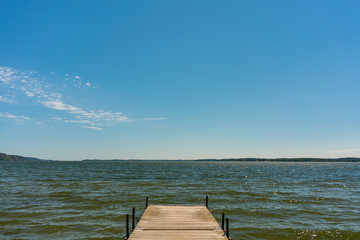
(6, 157)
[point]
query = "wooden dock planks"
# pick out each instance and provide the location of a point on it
(177, 222)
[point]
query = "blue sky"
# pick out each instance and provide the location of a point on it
(179, 79)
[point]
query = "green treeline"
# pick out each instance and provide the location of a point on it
(348, 159)
(6, 157)
(16, 158)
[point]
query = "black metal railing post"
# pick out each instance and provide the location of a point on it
(147, 202)
(133, 219)
(207, 202)
(227, 228)
(223, 221)
(127, 226)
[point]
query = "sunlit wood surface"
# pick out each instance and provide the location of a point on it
(170, 222)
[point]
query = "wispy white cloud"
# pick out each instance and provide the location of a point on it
(352, 150)
(92, 117)
(29, 94)
(6, 74)
(155, 119)
(77, 121)
(6, 100)
(94, 128)
(16, 85)
(59, 105)
(12, 116)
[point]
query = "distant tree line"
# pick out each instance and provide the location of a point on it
(16, 158)
(6, 157)
(348, 159)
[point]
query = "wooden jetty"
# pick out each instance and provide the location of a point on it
(177, 222)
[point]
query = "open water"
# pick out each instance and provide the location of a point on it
(264, 200)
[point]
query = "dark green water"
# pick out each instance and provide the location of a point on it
(89, 200)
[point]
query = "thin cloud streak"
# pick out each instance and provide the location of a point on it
(155, 119)
(94, 128)
(12, 116)
(59, 105)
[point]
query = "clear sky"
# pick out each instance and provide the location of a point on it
(179, 79)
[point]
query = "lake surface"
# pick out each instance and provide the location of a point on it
(264, 200)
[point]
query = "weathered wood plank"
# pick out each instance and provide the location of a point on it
(177, 223)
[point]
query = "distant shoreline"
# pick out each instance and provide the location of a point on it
(16, 158)
(236, 160)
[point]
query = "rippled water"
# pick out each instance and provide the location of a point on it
(88, 200)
